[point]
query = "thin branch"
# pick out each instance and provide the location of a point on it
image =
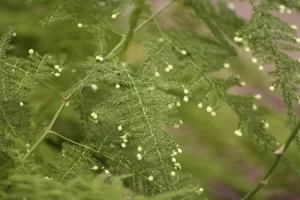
(65, 100)
(73, 142)
(279, 152)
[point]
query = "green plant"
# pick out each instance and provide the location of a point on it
(125, 150)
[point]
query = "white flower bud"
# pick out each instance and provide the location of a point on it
(79, 25)
(237, 39)
(139, 148)
(167, 69)
(31, 51)
(94, 87)
(123, 145)
(117, 86)
(183, 52)
(257, 96)
(254, 60)
(119, 127)
(99, 58)
(226, 65)
(60, 70)
(161, 39)
(179, 150)
(56, 67)
(106, 171)
(114, 16)
(261, 68)
(21, 104)
(170, 67)
(185, 91)
(94, 168)
(213, 113)
(254, 107)
(243, 83)
(200, 105)
(208, 109)
(247, 49)
(272, 88)
(157, 74)
(238, 133)
(139, 156)
(185, 98)
(150, 178)
(173, 173)
(177, 104)
(173, 159)
(57, 74)
(294, 27)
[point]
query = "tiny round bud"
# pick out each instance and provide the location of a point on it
(231, 6)
(31, 51)
(150, 178)
(114, 16)
(119, 127)
(272, 88)
(60, 70)
(254, 107)
(56, 67)
(117, 86)
(266, 125)
(27, 146)
(254, 60)
(294, 27)
(139, 156)
(167, 69)
(213, 113)
(170, 67)
(289, 11)
(177, 104)
(173, 159)
(237, 39)
(14, 34)
(238, 133)
(21, 104)
(208, 109)
(99, 58)
(94, 168)
(243, 83)
(261, 68)
(185, 98)
(161, 39)
(157, 74)
(139, 148)
(123, 145)
(226, 65)
(94, 87)
(257, 96)
(79, 25)
(106, 171)
(200, 105)
(185, 91)
(173, 173)
(247, 49)
(183, 52)
(57, 74)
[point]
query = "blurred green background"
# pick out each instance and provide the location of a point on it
(227, 166)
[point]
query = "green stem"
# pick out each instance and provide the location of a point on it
(65, 100)
(45, 134)
(273, 166)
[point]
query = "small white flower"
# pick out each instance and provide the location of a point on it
(57, 74)
(99, 58)
(157, 74)
(150, 178)
(125, 140)
(261, 68)
(94, 115)
(47, 178)
(238, 133)
(114, 16)
(56, 67)
(208, 109)
(254, 60)
(297, 40)
(213, 113)
(237, 39)
(139, 148)
(200, 105)
(257, 96)
(161, 39)
(106, 171)
(60, 70)
(173, 159)
(31, 51)
(14, 34)
(119, 127)
(231, 6)
(177, 104)
(170, 67)
(289, 11)
(79, 25)
(199, 191)
(21, 104)
(179, 150)
(281, 7)
(183, 52)
(180, 122)
(266, 125)
(272, 88)
(94, 87)
(247, 49)
(254, 107)
(139, 156)
(185, 91)
(123, 145)
(173, 173)
(185, 98)
(117, 86)
(94, 168)
(170, 105)
(243, 83)
(294, 27)
(226, 65)
(167, 69)
(174, 153)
